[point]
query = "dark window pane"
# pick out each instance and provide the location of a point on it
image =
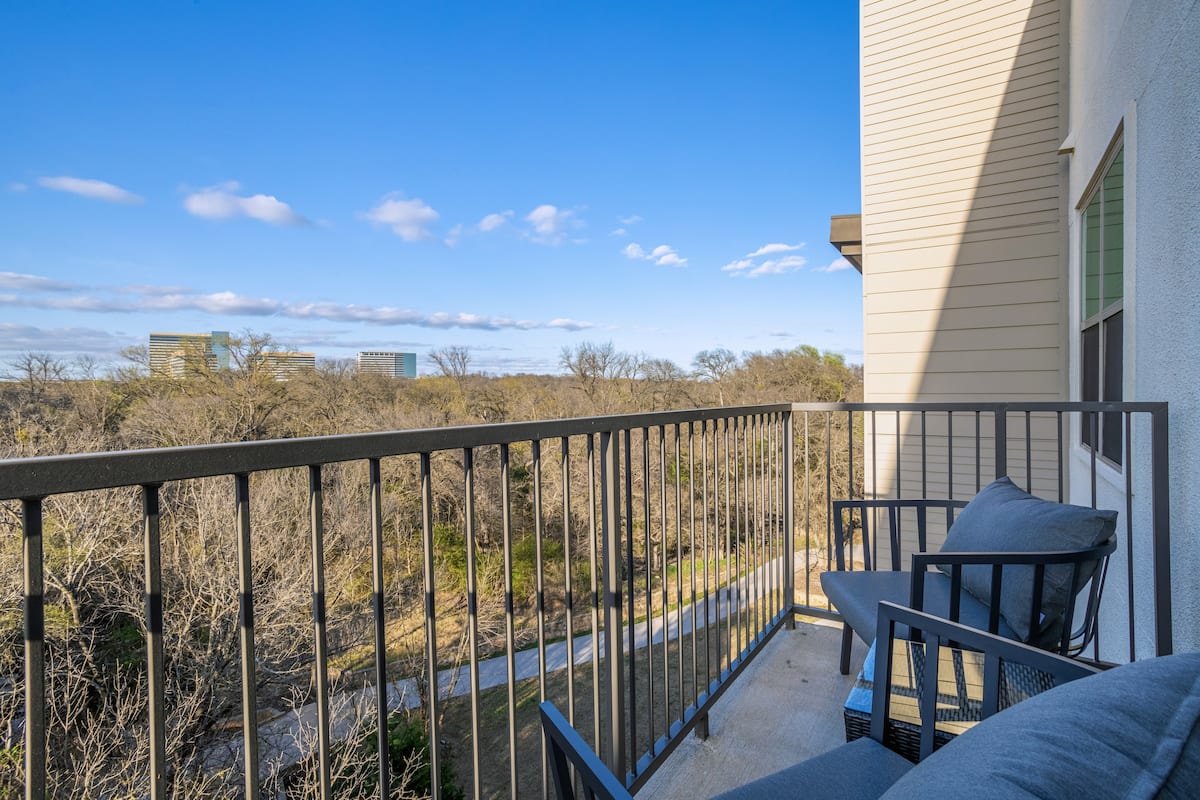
(1090, 375)
(1112, 437)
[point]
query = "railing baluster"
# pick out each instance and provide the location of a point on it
(35, 649)
(679, 571)
(432, 678)
(610, 520)
(708, 595)
(320, 640)
(692, 558)
(632, 614)
(510, 656)
(152, 546)
(594, 561)
(649, 559)
(789, 510)
(729, 619)
(246, 634)
(379, 618)
(472, 615)
(539, 532)
(664, 536)
(568, 588)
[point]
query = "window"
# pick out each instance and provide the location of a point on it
(1102, 335)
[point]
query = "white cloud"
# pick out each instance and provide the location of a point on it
(663, 255)
(775, 247)
(87, 187)
(619, 232)
(630, 220)
(127, 299)
(453, 236)
(837, 265)
(551, 223)
(221, 202)
(493, 221)
(749, 265)
(17, 186)
(408, 219)
(33, 283)
(746, 267)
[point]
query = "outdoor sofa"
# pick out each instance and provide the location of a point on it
(1013, 564)
(1131, 732)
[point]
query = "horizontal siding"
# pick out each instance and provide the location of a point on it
(961, 200)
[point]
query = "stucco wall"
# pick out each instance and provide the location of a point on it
(1135, 63)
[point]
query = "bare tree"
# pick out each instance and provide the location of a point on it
(454, 362)
(595, 365)
(715, 365)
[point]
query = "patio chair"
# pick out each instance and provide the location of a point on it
(1012, 564)
(864, 768)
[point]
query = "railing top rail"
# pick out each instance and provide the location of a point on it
(992, 406)
(49, 475)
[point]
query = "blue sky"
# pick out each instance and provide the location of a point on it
(512, 178)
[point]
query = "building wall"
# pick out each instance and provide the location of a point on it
(392, 364)
(1134, 64)
(963, 259)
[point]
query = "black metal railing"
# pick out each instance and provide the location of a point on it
(626, 567)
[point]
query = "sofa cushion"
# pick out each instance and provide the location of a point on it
(1003, 518)
(861, 770)
(1130, 732)
(856, 596)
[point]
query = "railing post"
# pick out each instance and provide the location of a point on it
(789, 533)
(610, 525)
(1000, 420)
(1161, 521)
(35, 651)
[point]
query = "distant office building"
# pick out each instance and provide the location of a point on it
(175, 354)
(286, 365)
(394, 365)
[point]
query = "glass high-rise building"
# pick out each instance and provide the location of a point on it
(394, 365)
(171, 353)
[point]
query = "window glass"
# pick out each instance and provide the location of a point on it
(1112, 435)
(1091, 375)
(1114, 231)
(1091, 258)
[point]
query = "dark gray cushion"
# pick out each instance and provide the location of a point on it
(856, 596)
(1004, 518)
(1129, 732)
(861, 770)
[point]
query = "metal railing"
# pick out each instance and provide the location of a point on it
(667, 548)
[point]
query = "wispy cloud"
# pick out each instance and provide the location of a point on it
(149, 299)
(222, 202)
(749, 265)
(17, 186)
(408, 219)
(837, 265)
(550, 224)
(630, 220)
(493, 221)
(88, 187)
(18, 338)
(33, 283)
(776, 247)
(776, 266)
(454, 235)
(664, 255)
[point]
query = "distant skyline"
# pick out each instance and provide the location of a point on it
(380, 176)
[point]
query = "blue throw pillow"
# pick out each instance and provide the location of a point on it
(1003, 518)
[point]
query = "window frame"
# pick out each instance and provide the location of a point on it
(1104, 314)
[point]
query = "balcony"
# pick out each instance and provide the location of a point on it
(645, 572)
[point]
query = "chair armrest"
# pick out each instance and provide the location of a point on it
(893, 507)
(566, 749)
(935, 632)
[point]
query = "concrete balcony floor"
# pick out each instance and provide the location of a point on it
(785, 708)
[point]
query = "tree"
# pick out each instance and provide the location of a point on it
(594, 365)
(454, 362)
(715, 365)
